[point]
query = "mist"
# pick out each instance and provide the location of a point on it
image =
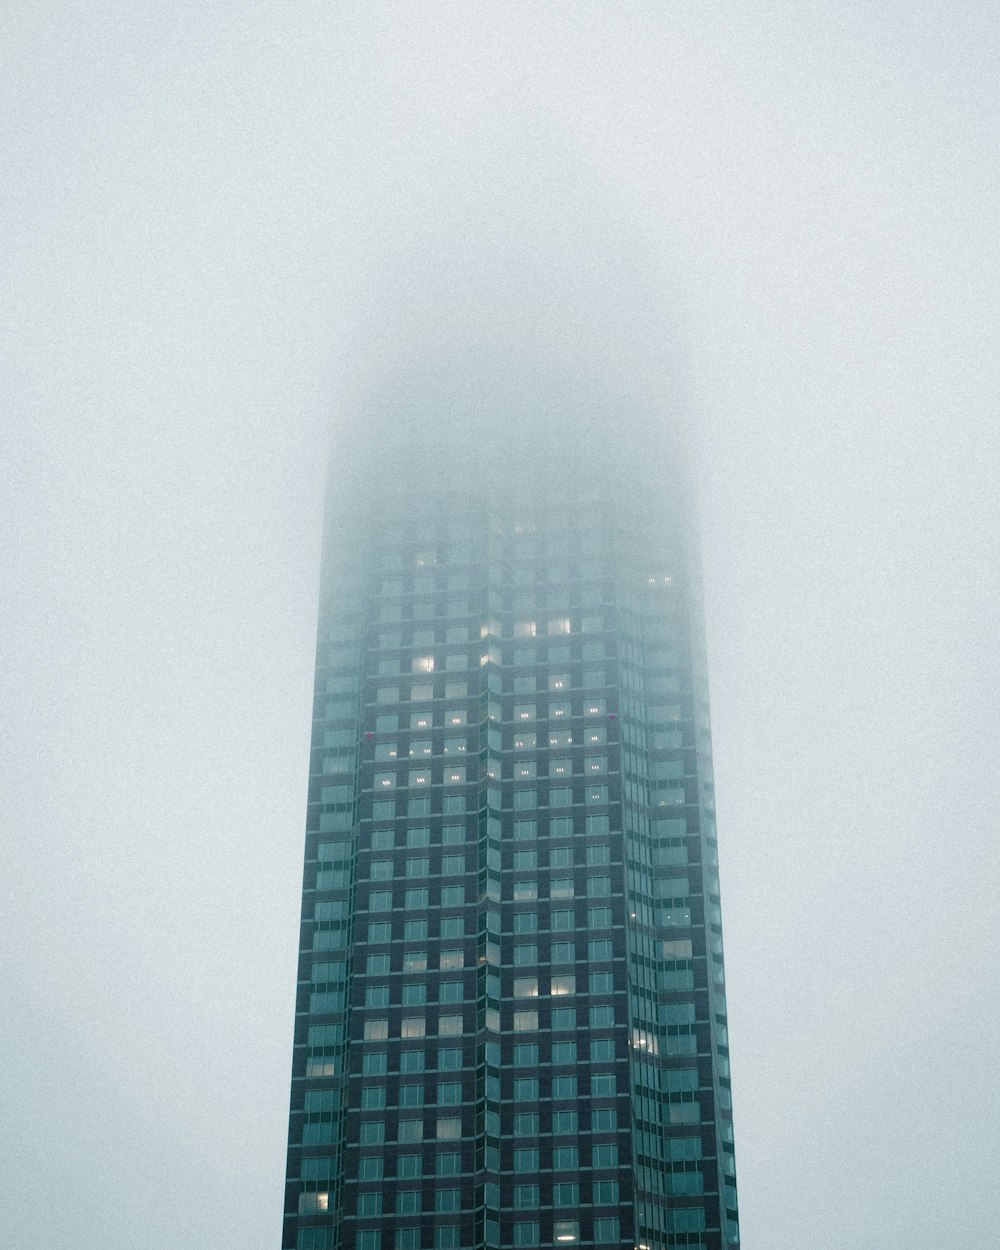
(226, 230)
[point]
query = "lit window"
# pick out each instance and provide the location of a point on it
(415, 961)
(559, 625)
(385, 781)
(525, 741)
(566, 1232)
(450, 1026)
(420, 720)
(564, 984)
(561, 738)
(376, 1030)
(454, 746)
(411, 1130)
(449, 1128)
(557, 710)
(594, 707)
(420, 747)
(454, 776)
(525, 1021)
(559, 681)
(413, 1026)
(524, 711)
(561, 887)
(525, 987)
(423, 664)
(525, 629)
(456, 716)
(451, 960)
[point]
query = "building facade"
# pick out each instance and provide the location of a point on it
(511, 1023)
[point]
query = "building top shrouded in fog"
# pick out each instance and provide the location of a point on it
(511, 1021)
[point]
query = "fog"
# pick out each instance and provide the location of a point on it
(217, 223)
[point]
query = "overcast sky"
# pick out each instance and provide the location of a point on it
(199, 199)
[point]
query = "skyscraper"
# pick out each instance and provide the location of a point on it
(511, 1022)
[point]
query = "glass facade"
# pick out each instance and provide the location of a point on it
(510, 1021)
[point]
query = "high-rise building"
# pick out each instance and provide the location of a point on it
(511, 1020)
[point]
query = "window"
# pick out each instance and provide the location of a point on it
(526, 1160)
(451, 992)
(415, 931)
(560, 796)
(372, 1132)
(416, 900)
(599, 918)
(526, 1197)
(373, 1063)
(413, 995)
(561, 920)
(562, 953)
(524, 712)
(603, 1119)
(451, 960)
(525, 741)
(449, 1129)
(566, 1194)
(449, 1060)
(526, 1234)
(414, 961)
(602, 1017)
(380, 900)
(525, 922)
(408, 1166)
(565, 1122)
(411, 1061)
(564, 1052)
(525, 987)
(525, 1021)
(602, 1050)
(407, 1239)
(600, 983)
(411, 1130)
(524, 800)
(604, 1156)
(563, 984)
(447, 1237)
(607, 1231)
(449, 1093)
(598, 887)
(595, 707)
(560, 709)
(526, 1124)
(376, 1030)
(370, 1203)
(407, 1201)
(380, 932)
(525, 829)
(565, 1158)
(413, 1026)
(370, 1168)
(526, 1089)
(377, 996)
(417, 866)
(447, 1200)
(452, 895)
(564, 1087)
(449, 1164)
(450, 1026)
(596, 794)
(606, 1193)
(377, 964)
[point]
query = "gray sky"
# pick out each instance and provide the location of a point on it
(199, 199)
